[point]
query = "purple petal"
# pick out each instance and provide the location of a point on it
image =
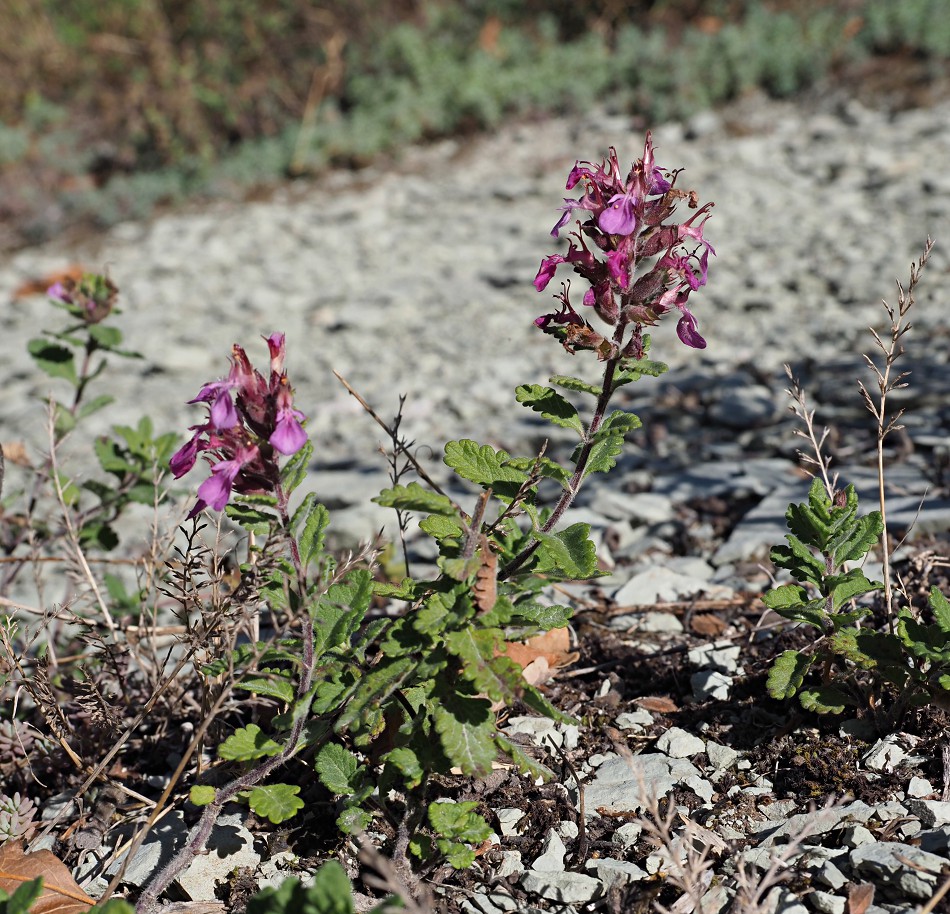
(184, 458)
(223, 413)
(687, 332)
(288, 436)
(216, 489)
(545, 273)
(618, 218)
(619, 268)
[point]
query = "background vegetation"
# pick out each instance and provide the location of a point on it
(111, 107)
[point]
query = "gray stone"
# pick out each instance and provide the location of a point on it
(885, 755)
(634, 720)
(710, 684)
(613, 872)
(677, 743)
(661, 584)
(721, 757)
(568, 829)
(624, 786)
(919, 787)
(510, 864)
(935, 840)
(747, 406)
(553, 850)
(826, 903)
(856, 835)
(568, 888)
(826, 873)
(904, 869)
(627, 834)
(721, 655)
(508, 819)
(490, 903)
(782, 901)
(164, 840)
(541, 730)
(932, 813)
(230, 847)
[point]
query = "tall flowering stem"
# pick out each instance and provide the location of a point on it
(638, 266)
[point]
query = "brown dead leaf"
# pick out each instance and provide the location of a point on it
(485, 588)
(536, 672)
(38, 285)
(860, 898)
(554, 646)
(658, 703)
(60, 895)
(15, 452)
(708, 624)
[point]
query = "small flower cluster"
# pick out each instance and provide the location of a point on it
(244, 435)
(91, 299)
(626, 226)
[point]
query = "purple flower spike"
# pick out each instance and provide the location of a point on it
(637, 262)
(251, 422)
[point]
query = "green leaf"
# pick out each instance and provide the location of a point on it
(315, 519)
(551, 405)
(202, 794)
(825, 700)
(416, 497)
(484, 466)
(330, 893)
(571, 550)
(544, 617)
(340, 611)
(787, 674)
(602, 455)
(295, 470)
(526, 764)
(407, 763)
(248, 743)
(272, 686)
(845, 587)
(940, 607)
(458, 856)
(569, 383)
(276, 802)
(106, 336)
(476, 648)
(337, 768)
(858, 539)
(440, 528)
(619, 422)
(458, 820)
(372, 691)
(541, 466)
(630, 370)
(799, 560)
(251, 519)
(785, 596)
(94, 405)
(56, 361)
(466, 729)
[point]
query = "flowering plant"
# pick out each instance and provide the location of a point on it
(626, 227)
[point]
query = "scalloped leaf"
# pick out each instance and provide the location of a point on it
(859, 538)
(542, 466)
(248, 743)
(825, 700)
(276, 802)
(940, 607)
(295, 470)
(272, 686)
(787, 674)
(569, 383)
(551, 405)
(310, 521)
(484, 466)
(842, 588)
(416, 497)
(202, 794)
(338, 769)
(251, 519)
(340, 611)
(797, 558)
(603, 453)
(56, 361)
(458, 820)
(570, 550)
(466, 728)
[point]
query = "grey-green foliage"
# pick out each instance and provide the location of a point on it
(921, 25)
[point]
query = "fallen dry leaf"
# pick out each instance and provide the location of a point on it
(860, 898)
(39, 284)
(485, 589)
(15, 452)
(657, 703)
(553, 647)
(61, 894)
(706, 624)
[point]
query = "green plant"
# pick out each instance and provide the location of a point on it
(908, 662)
